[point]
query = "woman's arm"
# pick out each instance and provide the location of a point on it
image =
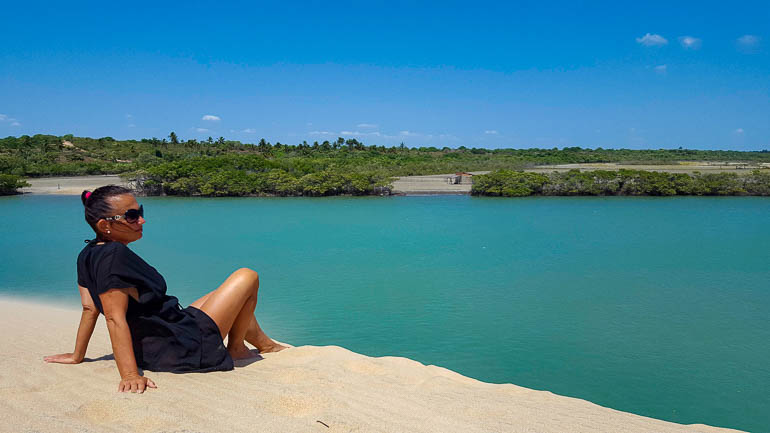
(115, 304)
(85, 330)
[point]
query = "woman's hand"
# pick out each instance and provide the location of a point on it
(63, 358)
(135, 384)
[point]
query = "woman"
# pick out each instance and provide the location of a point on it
(148, 328)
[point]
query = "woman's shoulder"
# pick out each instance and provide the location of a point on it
(119, 250)
(112, 257)
(98, 249)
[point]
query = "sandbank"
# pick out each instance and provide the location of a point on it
(69, 185)
(434, 184)
(301, 389)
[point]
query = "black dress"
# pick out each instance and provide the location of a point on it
(165, 336)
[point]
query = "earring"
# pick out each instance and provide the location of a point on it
(108, 232)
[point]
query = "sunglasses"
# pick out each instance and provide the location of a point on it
(131, 215)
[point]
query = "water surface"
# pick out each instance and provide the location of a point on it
(656, 306)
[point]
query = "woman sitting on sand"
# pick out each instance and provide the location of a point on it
(148, 328)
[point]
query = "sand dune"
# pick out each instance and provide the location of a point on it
(302, 389)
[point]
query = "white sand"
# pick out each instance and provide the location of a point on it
(285, 392)
(69, 185)
(430, 184)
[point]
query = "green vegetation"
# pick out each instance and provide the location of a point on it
(230, 168)
(250, 174)
(510, 183)
(10, 183)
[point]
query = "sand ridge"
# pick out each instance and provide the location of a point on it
(302, 389)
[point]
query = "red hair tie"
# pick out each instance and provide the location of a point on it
(88, 194)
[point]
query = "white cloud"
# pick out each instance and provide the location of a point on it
(661, 69)
(201, 130)
(366, 125)
(359, 133)
(491, 132)
(211, 117)
(748, 40)
(131, 125)
(5, 118)
(414, 134)
(689, 42)
(129, 116)
(382, 135)
(650, 40)
(249, 130)
(739, 131)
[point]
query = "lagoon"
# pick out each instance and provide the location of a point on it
(655, 306)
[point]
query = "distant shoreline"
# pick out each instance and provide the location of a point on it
(426, 185)
(69, 185)
(230, 168)
(74, 185)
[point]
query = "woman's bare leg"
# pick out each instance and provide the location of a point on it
(241, 286)
(231, 307)
(260, 340)
(197, 304)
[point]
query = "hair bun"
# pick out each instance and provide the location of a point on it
(84, 196)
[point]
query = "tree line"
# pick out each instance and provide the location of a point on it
(219, 166)
(255, 175)
(512, 183)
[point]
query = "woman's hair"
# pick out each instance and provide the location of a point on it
(97, 204)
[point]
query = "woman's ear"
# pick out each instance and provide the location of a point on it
(103, 226)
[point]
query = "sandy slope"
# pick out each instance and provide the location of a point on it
(294, 390)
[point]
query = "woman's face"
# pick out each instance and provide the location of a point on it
(121, 230)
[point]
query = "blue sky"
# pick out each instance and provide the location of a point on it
(480, 74)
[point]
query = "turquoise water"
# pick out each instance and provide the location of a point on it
(656, 306)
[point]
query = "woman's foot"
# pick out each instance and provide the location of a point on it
(239, 351)
(256, 337)
(273, 347)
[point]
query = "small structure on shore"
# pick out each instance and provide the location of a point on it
(460, 178)
(738, 165)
